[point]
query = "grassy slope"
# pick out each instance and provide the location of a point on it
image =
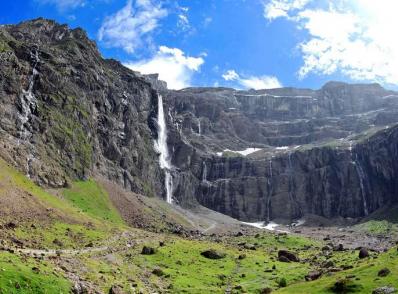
(66, 222)
(364, 276)
(84, 214)
(87, 217)
(29, 276)
(93, 200)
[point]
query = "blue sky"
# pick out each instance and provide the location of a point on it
(235, 43)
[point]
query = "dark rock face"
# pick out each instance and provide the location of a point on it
(327, 152)
(66, 113)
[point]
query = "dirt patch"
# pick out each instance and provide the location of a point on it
(23, 207)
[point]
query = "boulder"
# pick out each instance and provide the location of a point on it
(363, 253)
(384, 272)
(213, 254)
(116, 289)
(314, 275)
(146, 250)
(339, 247)
(158, 272)
(289, 255)
(82, 288)
(345, 286)
(58, 242)
(328, 264)
(242, 256)
(283, 258)
(250, 247)
(384, 290)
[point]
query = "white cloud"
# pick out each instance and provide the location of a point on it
(252, 82)
(230, 75)
(64, 4)
(128, 27)
(353, 37)
(173, 66)
(183, 22)
(281, 8)
(263, 82)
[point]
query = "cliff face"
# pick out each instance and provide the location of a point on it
(66, 113)
(329, 181)
(327, 152)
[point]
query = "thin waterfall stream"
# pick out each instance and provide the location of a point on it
(162, 148)
(269, 191)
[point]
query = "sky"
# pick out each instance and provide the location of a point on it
(243, 44)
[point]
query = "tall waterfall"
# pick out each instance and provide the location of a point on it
(161, 147)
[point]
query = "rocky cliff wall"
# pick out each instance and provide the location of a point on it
(66, 113)
(319, 151)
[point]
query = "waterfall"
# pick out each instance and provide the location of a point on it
(27, 98)
(350, 149)
(28, 104)
(204, 173)
(362, 179)
(269, 191)
(29, 161)
(199, 128)
(161, 147)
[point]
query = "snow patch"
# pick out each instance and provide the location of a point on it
(270, 226)
(243, 152)
(298, 223)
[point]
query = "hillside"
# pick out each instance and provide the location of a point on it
(111, 183)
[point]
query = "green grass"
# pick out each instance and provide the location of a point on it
(187, 270)
(364, 276)
(14, 178)
(377, 227)
(93, 200)
(87, 216)
(231, 154)
(17, 276)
